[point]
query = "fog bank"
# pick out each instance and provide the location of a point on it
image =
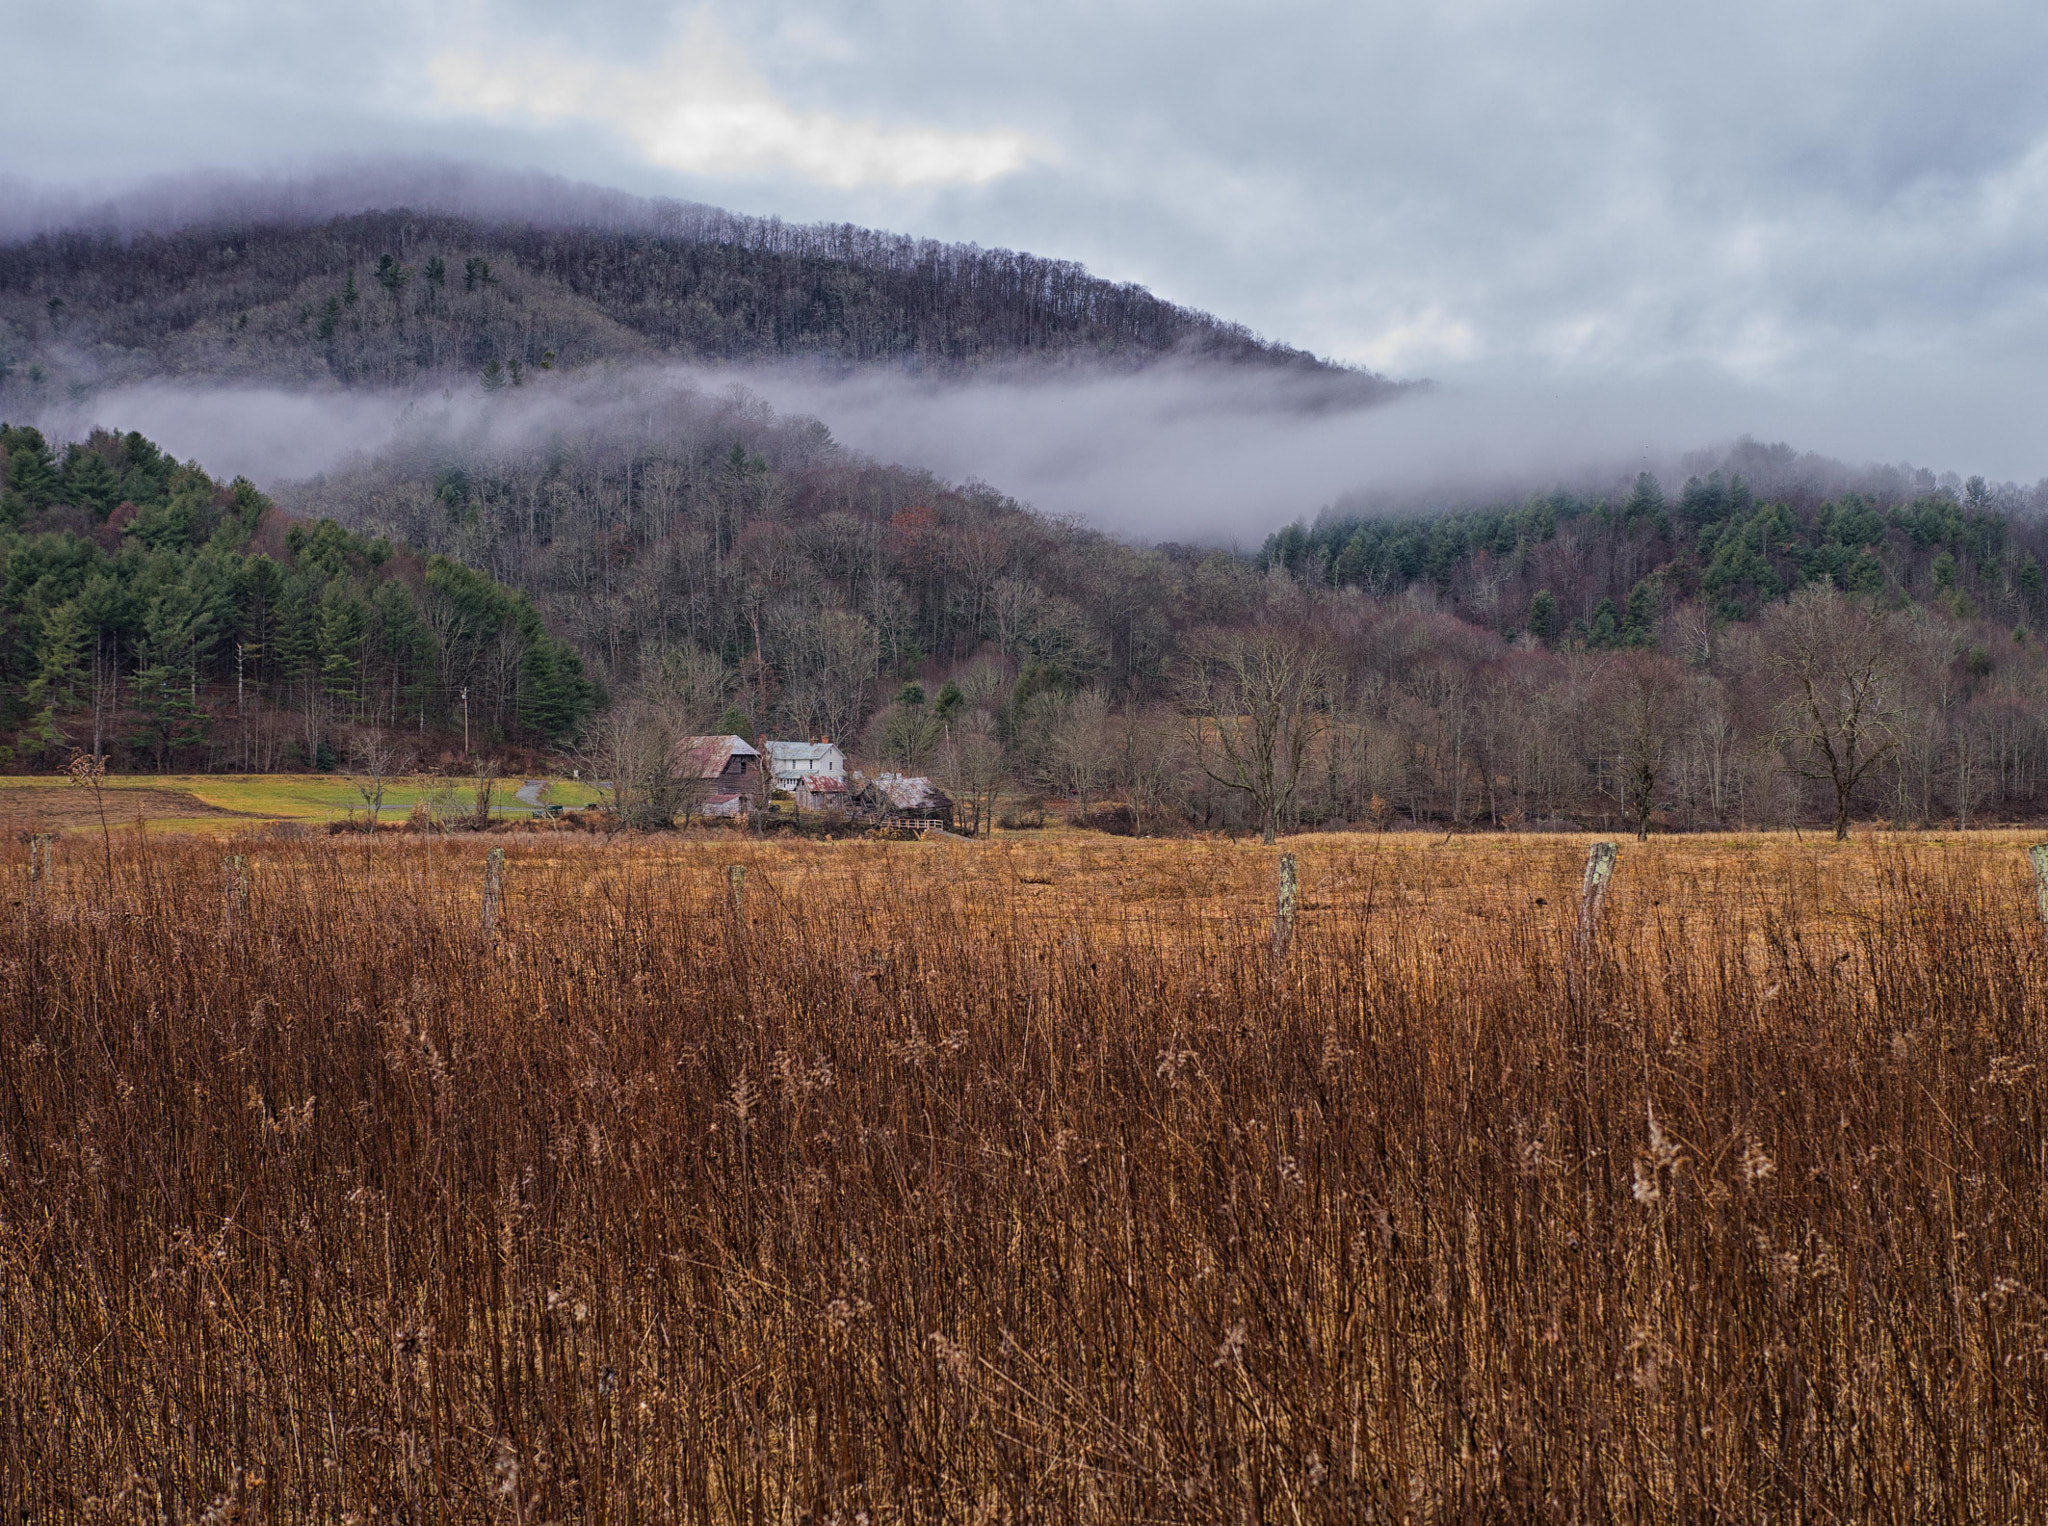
(1177, 452)
(331, 186)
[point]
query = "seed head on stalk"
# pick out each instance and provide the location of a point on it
(89, 771)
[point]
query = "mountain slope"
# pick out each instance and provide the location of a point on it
(711, 560)
(714, 561)
(1602, 571)
(152, 612)
(394, 297)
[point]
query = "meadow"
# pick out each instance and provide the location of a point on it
(1026, 1180)
(224, 804)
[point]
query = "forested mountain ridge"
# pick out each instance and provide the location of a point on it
(395, 297)
(1602, 571)
(152, 614)
(1573, 657)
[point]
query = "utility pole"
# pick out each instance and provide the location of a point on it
(465, 720)
(99, 686)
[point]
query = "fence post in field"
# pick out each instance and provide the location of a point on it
(735, 886)
(234, 886)
(2038, 857)
(494, 885)
(1593, 891)
(38, 868)
(1284, 904)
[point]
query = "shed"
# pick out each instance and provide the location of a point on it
(902, 800)
(824, 793)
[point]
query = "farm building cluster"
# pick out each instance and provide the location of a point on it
(739, 778)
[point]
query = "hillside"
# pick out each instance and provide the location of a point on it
(709, 562)
(1474, 666)
(396, 297)
(1738, 537)
(153, 614)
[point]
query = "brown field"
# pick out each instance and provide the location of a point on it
(60, 808)
(1022, 1181)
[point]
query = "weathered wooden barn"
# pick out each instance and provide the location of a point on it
(908, 802)
(729, 768)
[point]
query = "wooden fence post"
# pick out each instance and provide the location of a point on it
(494, 885)
(1593, 891)
(39, 868)
(1284, 904)
(2038, 856)
(234, 886)
(735, 884)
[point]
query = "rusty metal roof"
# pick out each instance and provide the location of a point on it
(709, 755)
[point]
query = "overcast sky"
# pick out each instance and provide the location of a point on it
(1824, 221)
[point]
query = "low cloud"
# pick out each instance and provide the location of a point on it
(1222, 455)
(1188, 453)
(268, 434)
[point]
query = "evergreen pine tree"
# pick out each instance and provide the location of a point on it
(90, 483)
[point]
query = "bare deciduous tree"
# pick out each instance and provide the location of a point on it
(696, 685)
(1257, 701)
(1149, 761)
(1641, 711)
(635, 752)
(829, 660)
(374, 760)
(486, 782)
(974, 768)
(1838, 713)
(1078, 745)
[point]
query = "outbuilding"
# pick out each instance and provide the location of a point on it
(909, 802)
(824, 793)
(726, 767)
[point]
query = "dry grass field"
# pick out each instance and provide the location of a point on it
(1022, 1181)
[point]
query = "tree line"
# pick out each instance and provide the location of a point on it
(1599, 572)
(152, 614)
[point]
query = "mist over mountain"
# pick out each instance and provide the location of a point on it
(721, 564)
(333, 186)
(821, 481)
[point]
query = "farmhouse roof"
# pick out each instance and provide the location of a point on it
(799, 752)
(710, 755)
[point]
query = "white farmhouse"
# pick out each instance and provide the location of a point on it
(793, 764)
